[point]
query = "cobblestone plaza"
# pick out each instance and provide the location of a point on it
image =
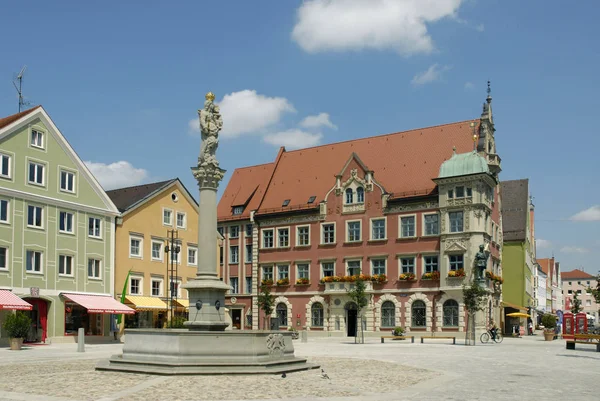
(524, 368)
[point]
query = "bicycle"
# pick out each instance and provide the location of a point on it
(485, 337)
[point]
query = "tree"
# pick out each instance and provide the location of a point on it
(576, 304)
(266, 302)
(596, 291)
(359, 296)
(474, 298)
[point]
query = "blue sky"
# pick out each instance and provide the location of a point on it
(123, 82)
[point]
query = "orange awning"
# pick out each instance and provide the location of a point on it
(8, 300)
(100, 304)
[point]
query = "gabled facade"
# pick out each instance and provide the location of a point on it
(578, 281)
(56, 229)
(554, 287)
(404, 210)
(143, 246)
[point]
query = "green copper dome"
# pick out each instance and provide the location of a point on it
(464, 164)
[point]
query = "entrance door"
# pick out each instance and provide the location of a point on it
(236, 318)
(351, 322)
(39, 320)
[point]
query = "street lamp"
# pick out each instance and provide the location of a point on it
(172, 250)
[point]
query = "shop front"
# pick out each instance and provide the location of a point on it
(9, 303)
(91, 312)
(150, 312)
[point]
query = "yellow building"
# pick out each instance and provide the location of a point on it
(143, 250)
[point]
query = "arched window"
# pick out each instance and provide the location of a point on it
(360, 195)
(349, 196)
(282, 314)
(419, 318)
(388, 314)
(316, 311)
(450, 313)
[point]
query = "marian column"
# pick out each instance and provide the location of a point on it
(206, 291)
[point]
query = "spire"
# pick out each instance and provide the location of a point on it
(489, 92)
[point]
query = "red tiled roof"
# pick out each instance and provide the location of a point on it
(545, 264)
(404, 163)
(11, 119)
(246, 187)
(575, 274)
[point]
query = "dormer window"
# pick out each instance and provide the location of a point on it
(360, 195)
(349, 195)
(238, 210)
(311, 199)
(285, 203)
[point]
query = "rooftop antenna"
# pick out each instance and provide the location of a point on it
(18, 83)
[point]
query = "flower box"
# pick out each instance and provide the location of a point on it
(267, 282)
(456, 273)
(493, 277)
(407, 277)
(379, 278)
(283, 282)
(431, 276)
(302, 281)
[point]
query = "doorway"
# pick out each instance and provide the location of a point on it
(236, 318)
(351, 315)
(38, 332)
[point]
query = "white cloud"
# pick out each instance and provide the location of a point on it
(591, 214)
(573, 249)
(342, 25)
(480, 28)
(247, 112)
(117, 175)
(320, 120)
(542, 243)
(469, 85)
(432, 74)
(293, 139)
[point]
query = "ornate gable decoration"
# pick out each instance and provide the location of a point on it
(456, 246)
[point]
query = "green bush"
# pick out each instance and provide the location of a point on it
(398, 331)
(177, 322)
(17, 325)
(549, 321)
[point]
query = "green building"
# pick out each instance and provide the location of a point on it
(518, 256)
(56, 232)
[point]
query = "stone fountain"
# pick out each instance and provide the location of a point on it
(204, 347)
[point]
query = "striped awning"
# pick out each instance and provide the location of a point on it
(146, 303)
(8, 300)
(99, 304)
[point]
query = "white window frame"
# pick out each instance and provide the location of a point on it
(161, 253)
(72, 232)
(40, 227)
(414, 216)
(456, 254)
(463, 221)
(178, 255)
(8, 175)
(347, 224)
(231, 290)
(424, 225)
(141, 246)
(184, 225)
(161, 286)
(33, 271)
(237, 234)
(178, 292)
(262, 272)
(65, 256)
(262, 238)
(289, 273)
(246, 226)
(42, 136)
(372, 260)
(347, 262)
(334, 233)
(321, 271)
(298, 235)
(99, 277)
(170, 223)
(430, 255)
(7, 202)
(307, 263)
(140, 286)
(6, 258)
(385, 226)
(289, 237)
(37, 163)
(231, 260)
(99, 225)
(401, 268)
(195, 249)
(60, 181)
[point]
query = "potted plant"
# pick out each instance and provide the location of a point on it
(549, 322)
(17, 326)
(398, 331)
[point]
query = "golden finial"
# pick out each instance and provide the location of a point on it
(210, 96)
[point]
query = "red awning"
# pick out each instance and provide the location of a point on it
(99, 304)
(8, 300)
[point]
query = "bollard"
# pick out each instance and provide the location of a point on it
(304, 336)
(81, 340)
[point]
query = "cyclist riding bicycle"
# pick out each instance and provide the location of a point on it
(492, 329)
